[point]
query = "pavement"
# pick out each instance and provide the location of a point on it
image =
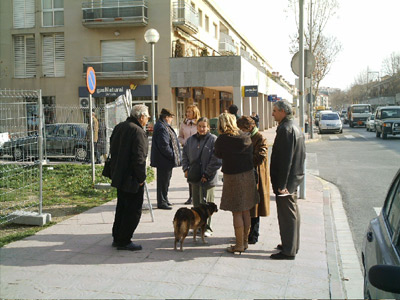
(74, 259)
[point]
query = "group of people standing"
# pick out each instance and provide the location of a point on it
(242, 152)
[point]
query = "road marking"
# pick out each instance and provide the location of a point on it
(333, 137)
(378, 210)
(349, 137)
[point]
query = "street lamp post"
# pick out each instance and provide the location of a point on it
(151, 37)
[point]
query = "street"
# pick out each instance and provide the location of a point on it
(361, 166)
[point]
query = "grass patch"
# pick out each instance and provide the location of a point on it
(67, 190)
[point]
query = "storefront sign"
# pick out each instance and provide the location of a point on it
(183, 92)
(274, 98)
(198, 94)
(250, 91)
(225, 96)
(115, 91)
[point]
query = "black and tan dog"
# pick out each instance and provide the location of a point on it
(193, 218)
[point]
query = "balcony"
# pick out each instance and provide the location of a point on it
(108, 13)
(226, 44)
(117, 67)
(185, 17)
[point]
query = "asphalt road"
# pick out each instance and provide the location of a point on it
(362, 167)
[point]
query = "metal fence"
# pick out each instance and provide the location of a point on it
(20, 184)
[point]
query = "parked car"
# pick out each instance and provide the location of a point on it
(330, 122)
(63, 140)
(370, 123)
(381, 245)
(387, 121)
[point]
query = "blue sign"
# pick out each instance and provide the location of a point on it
(90, 80)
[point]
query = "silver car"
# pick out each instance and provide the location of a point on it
(330, 122)
(381, 244)
(370, 123)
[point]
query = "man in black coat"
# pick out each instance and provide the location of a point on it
(287, 173)
(129, 147)
(165, 155)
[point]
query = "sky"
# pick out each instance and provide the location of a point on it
(367, 29)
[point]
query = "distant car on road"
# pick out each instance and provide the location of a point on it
(381, 245)
(370, 123)
(330, 122)
(62, 140)
(387, 121)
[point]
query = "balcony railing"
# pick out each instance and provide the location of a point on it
(185, 16)
(226, 44)
(116, 67)
(108, 13)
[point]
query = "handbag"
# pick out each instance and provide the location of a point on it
(194, 172)
(107, 167)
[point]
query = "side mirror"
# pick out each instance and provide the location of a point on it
(385, 278)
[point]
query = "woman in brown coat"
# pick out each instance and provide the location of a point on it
(260, 162)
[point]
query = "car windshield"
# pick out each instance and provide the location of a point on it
(390, 113)
(330, 117)
(360, 109)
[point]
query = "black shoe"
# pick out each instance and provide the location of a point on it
(131, 247)
(281, 256)
(164, 207)
(279, 247)
(189, 201)
(252, 240)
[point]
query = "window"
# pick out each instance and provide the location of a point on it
(215, 30)
(24, 13)
(207, 21)
(200, 18)
(53, 13)
(24, 56)
(53, 55)
(392, 206)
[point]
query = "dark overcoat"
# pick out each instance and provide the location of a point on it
(162, 152)
(129, 146)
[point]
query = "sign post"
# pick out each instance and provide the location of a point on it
(91, 86)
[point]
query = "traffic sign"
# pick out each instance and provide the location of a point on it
(309, 63)
(91, 80)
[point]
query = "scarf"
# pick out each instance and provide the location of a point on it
(254, 131)
(175, 146)
(190, 122)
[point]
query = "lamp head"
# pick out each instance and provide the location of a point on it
(151, 36)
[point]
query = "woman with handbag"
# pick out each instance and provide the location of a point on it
(201, 165)
(260, 163)
(239, 192)
(186, 130)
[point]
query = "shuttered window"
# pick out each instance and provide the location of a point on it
(53, 13)
(24, 56)
(53, 55)
(24, 13)
(117, 49)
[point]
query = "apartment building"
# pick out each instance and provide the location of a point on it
(200, 57)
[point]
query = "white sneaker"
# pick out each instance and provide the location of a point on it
(208, 233)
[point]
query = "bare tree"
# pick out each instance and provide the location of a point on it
(324, 48)
(391, 64)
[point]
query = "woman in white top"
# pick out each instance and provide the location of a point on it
(186, 130)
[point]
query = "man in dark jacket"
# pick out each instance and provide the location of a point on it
(165, 155)
(129, 146)
(287, 173)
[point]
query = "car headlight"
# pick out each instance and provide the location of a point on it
(396, 125)
(387, 124)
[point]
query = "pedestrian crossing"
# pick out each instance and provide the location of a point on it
(334, 137)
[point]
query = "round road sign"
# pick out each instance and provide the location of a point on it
(309, 63)
(90, 80)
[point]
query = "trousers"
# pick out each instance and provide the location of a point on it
(127, 215)
(289, 223)
(163, 180)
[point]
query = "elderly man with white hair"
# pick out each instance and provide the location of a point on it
(129, 147)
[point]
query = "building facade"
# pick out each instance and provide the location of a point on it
(200, 57)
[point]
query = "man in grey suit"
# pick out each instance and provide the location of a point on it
(287, 173)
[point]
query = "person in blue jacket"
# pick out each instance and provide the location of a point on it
(165, 155)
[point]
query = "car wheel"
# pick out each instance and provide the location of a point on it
(384, 136)
(18, 153)
(80, 153)
(378, 134)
